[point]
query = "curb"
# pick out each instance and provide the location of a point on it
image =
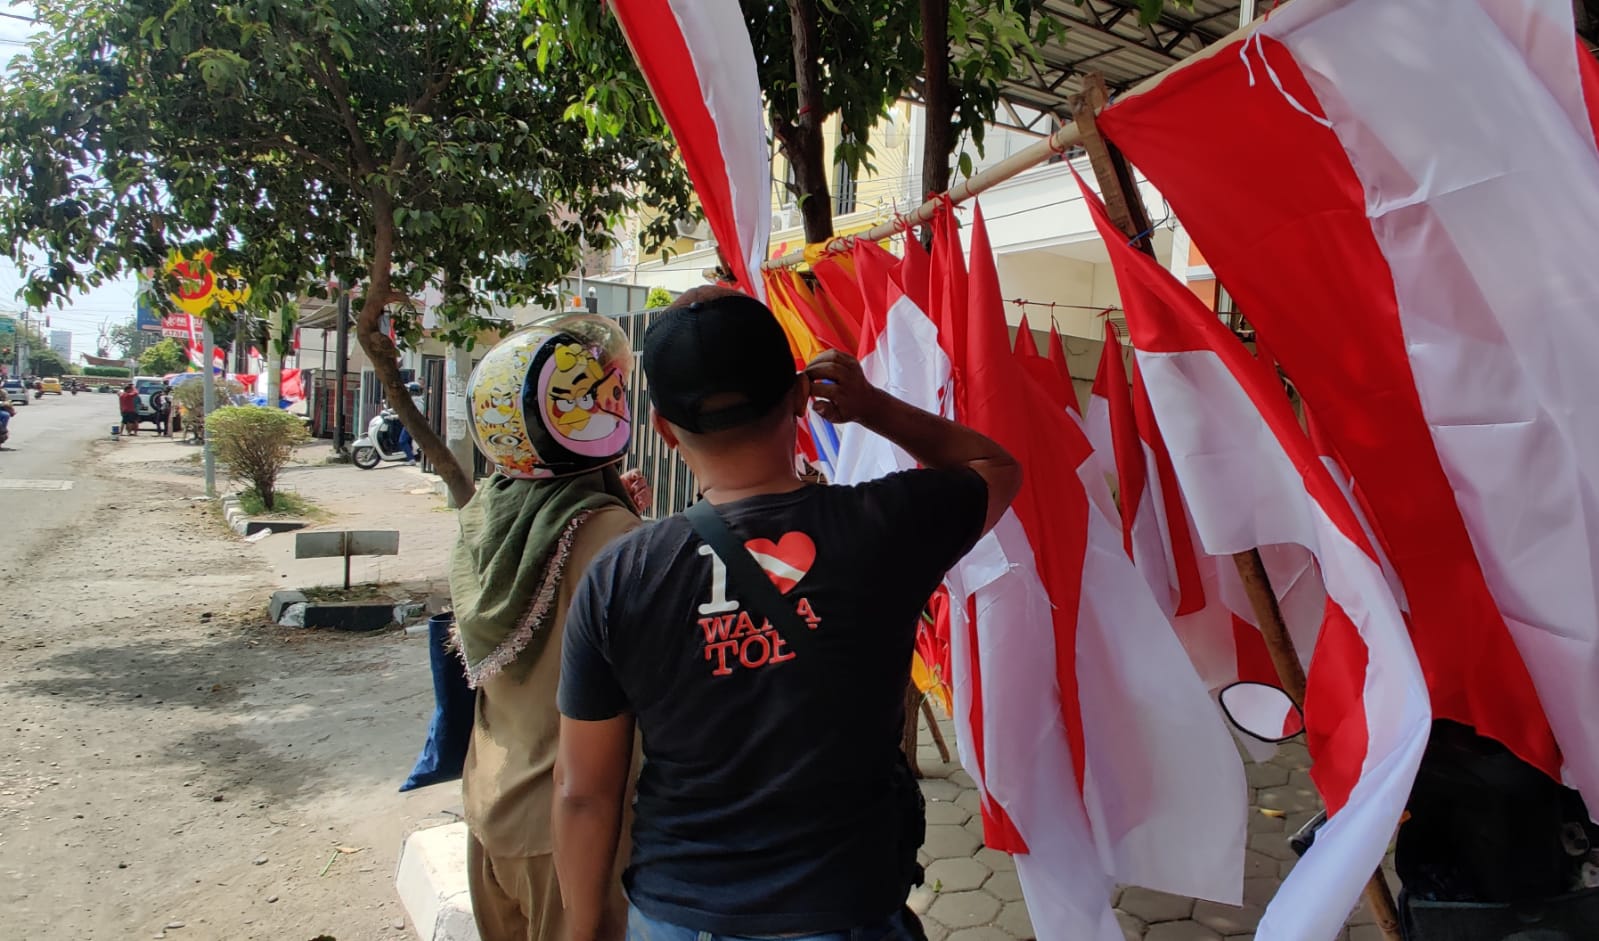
(431, 882)
(233, 513)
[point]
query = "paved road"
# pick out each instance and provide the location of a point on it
(44, 479)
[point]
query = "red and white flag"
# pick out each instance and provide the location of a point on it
(1396, 195)
(1252, 480)
(700, 65)
(1069, 672)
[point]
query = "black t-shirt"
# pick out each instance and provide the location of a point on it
(771, 799)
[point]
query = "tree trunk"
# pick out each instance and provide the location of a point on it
(386, 359)
(938, 145)
(802, 141)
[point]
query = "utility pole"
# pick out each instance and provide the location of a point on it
(22, 347)
(208, 372)
(342, 355)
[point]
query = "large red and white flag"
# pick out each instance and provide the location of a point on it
(1201, 594)
(1068, 671)
(1396, 194)
(1253, 480)
(700, 65)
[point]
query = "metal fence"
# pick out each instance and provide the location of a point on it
(674, 485)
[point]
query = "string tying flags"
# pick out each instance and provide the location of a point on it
(1258, 42)
(1101, 310)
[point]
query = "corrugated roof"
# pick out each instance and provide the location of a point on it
(1106, 36)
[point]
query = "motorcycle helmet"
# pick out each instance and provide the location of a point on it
(550, 400)
(415, 388)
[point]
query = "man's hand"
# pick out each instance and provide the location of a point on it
(840, 391)
(638, 488)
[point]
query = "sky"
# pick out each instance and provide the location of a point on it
(84, 314)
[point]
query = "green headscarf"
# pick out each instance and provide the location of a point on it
(507, 563)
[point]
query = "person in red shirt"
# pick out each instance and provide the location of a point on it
(128, 401)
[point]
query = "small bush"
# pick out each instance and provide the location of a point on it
(254, 443)
(107, 372)
(191, 395)
(658, 297)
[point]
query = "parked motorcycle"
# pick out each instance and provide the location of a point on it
(1491, 848)
(380, 443)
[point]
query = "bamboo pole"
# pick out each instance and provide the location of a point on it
(1114, 176)
(1057, 143)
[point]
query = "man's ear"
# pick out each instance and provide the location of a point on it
(801, 395)
(664, 429)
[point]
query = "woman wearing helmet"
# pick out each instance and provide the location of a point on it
(549, 407)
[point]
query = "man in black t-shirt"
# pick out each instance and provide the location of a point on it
(774, 800)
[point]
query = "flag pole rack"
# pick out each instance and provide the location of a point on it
(1054, 145)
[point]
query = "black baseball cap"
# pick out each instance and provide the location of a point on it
(725, 345)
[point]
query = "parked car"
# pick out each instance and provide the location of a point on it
(147, 386)
(16, 391)
(50, 386)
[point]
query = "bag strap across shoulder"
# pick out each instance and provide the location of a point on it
(744, 575)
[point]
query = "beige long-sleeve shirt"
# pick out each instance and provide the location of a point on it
(509, 780)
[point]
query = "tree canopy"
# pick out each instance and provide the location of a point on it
(399, 146)
(163, 358)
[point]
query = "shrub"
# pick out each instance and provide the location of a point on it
(107, 372)
(190, 395)
(657, 298)
(254, 442)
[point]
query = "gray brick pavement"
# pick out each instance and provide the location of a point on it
(972, 893)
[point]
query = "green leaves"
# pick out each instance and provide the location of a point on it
(313, 138)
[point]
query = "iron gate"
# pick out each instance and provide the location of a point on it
(674, 485)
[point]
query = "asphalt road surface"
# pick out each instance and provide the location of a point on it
(173, 766)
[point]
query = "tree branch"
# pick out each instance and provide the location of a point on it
(326, 72)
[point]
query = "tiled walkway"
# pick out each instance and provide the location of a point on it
(972, 893)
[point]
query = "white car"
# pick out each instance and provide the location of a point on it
(16, 392)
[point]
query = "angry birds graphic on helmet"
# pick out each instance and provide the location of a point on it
(550, 400)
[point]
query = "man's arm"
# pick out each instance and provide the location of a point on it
(591, 772)
(841, 393)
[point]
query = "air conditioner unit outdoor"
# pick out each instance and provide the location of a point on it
(697, 229)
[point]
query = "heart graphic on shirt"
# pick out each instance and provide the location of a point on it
(785, 561)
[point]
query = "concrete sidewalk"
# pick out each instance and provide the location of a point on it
(391, 496)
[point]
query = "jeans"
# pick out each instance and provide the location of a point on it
(901, 926)
(405, 443)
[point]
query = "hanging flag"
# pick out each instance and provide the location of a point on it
(1367, 719)
(1202, 594)
(1401, 234)
(1042, 370)
(700, 66)
(1057, 357)
(1069, 672)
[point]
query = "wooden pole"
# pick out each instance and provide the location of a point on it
(1117, 185)
(1032, 156)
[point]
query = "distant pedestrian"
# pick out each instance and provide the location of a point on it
(413, 389)
(161, 402)
(128, 401)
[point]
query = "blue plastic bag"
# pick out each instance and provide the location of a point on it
(444, 755)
